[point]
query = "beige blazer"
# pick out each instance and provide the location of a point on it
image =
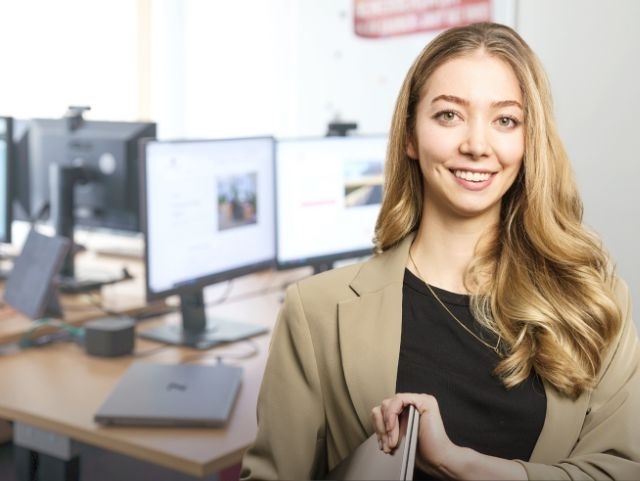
(334, 356)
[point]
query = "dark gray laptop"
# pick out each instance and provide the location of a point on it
(152, 394)
(368, 461)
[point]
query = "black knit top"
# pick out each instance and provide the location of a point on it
(438, 357)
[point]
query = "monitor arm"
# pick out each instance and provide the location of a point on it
(62, 180)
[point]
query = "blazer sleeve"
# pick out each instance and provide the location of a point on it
(290, 440)
(609, 443)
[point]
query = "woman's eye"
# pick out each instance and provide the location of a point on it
(447, 115)
(508, 122)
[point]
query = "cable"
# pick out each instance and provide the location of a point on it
(149, 352)
(266, 289)
(62, 332)
(224, 296)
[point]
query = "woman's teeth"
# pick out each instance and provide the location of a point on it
(472, 176)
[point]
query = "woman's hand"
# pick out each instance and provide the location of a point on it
(434, 446)
(436, 454)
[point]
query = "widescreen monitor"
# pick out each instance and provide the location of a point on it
(328, 196)
(208, 211)
(6, 164)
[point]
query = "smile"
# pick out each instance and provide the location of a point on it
(472, 176)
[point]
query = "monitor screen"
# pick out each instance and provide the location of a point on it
(6, 163)
(208, 210)
(107, 152)
(328, 195)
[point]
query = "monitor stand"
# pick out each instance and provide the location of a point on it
(319, 267)
(196, 332)
(62, 180)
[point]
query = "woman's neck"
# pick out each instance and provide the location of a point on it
(443, 251)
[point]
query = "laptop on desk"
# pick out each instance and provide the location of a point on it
(153, 394)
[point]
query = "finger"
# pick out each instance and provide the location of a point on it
(379, 427)
(391, 409)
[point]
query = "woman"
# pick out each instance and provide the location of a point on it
(486, 295)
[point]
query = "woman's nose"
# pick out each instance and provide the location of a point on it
(476, 142)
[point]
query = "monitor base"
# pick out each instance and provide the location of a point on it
(220, 332)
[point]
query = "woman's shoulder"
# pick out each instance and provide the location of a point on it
(372, 274)
(332, 280)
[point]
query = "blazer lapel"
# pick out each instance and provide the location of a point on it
(369, 330)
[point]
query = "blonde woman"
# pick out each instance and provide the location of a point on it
(487, 304)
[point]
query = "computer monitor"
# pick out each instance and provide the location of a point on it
(328, 195)
(76, 172)
(107, 151)
(208, 216)
(6, 163)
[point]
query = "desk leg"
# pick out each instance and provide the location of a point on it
(44, 456)
(55, 469)
(26, 462)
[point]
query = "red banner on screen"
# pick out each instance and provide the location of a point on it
(389, 18)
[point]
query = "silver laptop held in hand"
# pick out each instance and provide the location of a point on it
(368, 461)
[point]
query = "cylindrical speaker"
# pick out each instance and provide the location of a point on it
(109, 336)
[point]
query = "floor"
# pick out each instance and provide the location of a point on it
(99, 465)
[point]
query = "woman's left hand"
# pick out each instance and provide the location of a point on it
(434, 446)
(436, 454)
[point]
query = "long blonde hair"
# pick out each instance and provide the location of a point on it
(543, 283)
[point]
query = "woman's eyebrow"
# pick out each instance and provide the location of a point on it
(464, 102)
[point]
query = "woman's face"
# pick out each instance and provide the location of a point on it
(469, 137)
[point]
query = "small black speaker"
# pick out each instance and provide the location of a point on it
(109, 336)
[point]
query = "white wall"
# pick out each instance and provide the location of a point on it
(591, 50)
(69, 52)
(283, 67)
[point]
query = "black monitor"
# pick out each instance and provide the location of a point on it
(208, 212)
(77, 172)
(6, 164)
(328, 196)
(107, 152)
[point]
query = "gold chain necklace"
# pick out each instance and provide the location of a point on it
(495, 348)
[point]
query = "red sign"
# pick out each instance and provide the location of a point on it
(389, 18)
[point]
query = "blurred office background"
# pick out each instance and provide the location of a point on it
(214, 68)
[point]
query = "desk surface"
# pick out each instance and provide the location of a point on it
(58, 387)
